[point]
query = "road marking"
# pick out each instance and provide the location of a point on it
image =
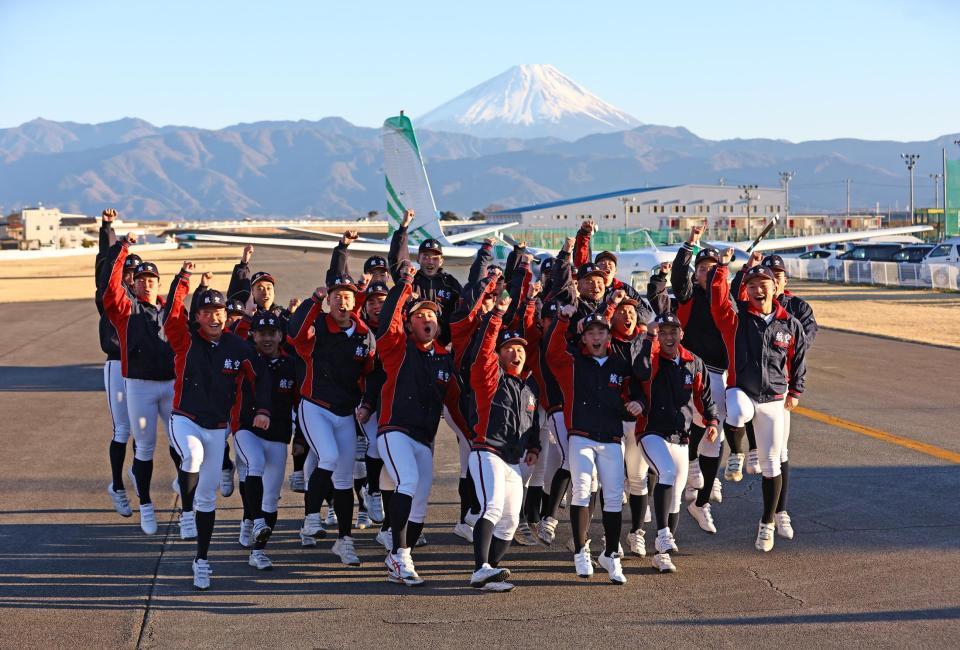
(909, 443)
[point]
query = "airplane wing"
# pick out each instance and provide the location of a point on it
(323, 234)
(479, 232)
(828, 238)
(452, 252)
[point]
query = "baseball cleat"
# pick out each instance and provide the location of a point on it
(784, 526)
(120, 501)
(734, 469)
(662, 563)
(402, 567)
(363, 520)
(421, 541)
(148, 520)
(753, 462)
(524, 536)
(614, 568)
(694, 476)
(636, 540)
(583, 563)
(716, 492)
(665, 542)
(703, 516)
(471, 519)
(259, 561)
(201, 574)
(298, 483)
(374, 503)
(690, 493)
(547, 530)
(261, 531)
(312, 527)
(344, 549)
(486, 574)
(464, 531)
(246, 533)
(330, 522)
(385, 539)
(764, 538)
(188, 525)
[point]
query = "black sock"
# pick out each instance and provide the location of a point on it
(579, 522)
(638, 507)
(544, 503)
(174, 456)
(482, 536)
(188, 488)
(612, 526)
(751, 436)
(321, 482)
(298, 461)
(673, 520)
(271, 519)
(247, 510)
(533, 503)
(709, 468)
(386, 495)
(696, 435)
(254, 496)
(358, 485)
(466, 490)
(771, 494)
(734, 437)
(498, 548)
(374, 466)
(343, 506)
(661, 497)
(227, 463)
(558, 488)
(143, 472)
(784, 482)
(400, 504)
(205, 521)
(414, 529)
(118, 452)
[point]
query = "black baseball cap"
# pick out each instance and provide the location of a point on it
(510, 338)
(431, 245)
(146, 268)
(211, 298)
(594, 319)
(707, 254)
(265, 320)
(234, 306)
(547, 265)
(606, 255)
(774, 262)
(261, 276)
(668, 318)
(374, 262)
(377, 289)
(342, 282)
(131, 262)
(494, 267)
(759, 272)
(588, 269)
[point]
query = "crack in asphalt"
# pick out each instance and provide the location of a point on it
(769, 583)
(156, 573)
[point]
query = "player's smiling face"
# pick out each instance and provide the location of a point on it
(512, 358)
(760, 294)
(424, 326)
(430, 263)
(342, 302)
(624, 319)
(264, 294)
(591, 287)
(669, 337)
(146, 287)
(267, 341)
(373, 306)
(212, 322)
(701, 272)
(596, 338)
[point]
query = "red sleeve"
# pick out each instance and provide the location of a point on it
(561, 363)
(116, 303)
(302, 339)
(721, 307)
(177, 326)
(485, 374)
(358, 305)
(242, 327)
(581, 249)
(461, 331)
(391, 345)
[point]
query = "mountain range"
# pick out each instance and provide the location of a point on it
(333, 168)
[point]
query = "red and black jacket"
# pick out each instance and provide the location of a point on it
(109, 340)
(595, 391)
(795, 306)
(626, 347)
(701, 333)
(335, 361)
(766, 359)
(506, 405)
(419, 380)
(283, 401)
(673, 389)
(143, 353)
(209, 373)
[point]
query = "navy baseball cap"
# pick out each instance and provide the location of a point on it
(588, 269)
(342, 282)
(262, 276)
(146, 268)
(377, 289)
(606, 255)
(510, 338)
(373, 263)
(131, 262)
(431, 246)
(707, 254)
(234, 306)
(668, 318)
(265, 320)
(774, 262)
(212, 299)
(494, 267)
(594, 319)
(547, 265)
(759, 272)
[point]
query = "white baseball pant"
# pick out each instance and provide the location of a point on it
(332, 439)
(147, 401)
(718, 391)
(768, 426)
(670, 462)
(499, 490)
(410, 466)
(266, 459)
(635, 461)
(606, 459)
(202, 451)
(116, 389)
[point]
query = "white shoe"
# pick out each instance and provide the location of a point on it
(583, 563)
(148, 520)
(259, 561)
(201, 574)
(401, 570)
(524, 536)
(498, 587)
(385, 539)
(312, 527)
(363, 520)
(665, 542)
(307, 541)
(563, 502)
(188, 525)
(703, 516)
(261, 531)
(421, 541)
(716, 492)
(690, 493)
(647, 517)
(694, 476)
(734, 469)
(226, 481)
(133, 481)
(784, 527)
(175, 486)
(464, 531)
(486, 574)
(330, 523)
(120, 501)
(374, 503)
(471, 519)
(246, 533)
(343, 548)
(637, 542)
(662, 563)
(547, 530)
(614, 568)
(753, 462)
(765, 537)
(298, 483)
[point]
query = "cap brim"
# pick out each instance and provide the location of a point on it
(598, 273)
(264, 278)
(758, 276)
(342, 287)
(150, 273)
(517, 340)
(425, 304)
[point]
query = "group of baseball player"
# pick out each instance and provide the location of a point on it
(564, 387)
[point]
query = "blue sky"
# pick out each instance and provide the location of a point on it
(800, 70)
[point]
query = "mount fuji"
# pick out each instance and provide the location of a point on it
(528, 101)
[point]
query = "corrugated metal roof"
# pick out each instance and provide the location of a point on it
(581, 199)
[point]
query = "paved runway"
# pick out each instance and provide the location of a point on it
(874, 562)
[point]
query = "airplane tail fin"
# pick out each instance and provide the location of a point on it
(407, 184)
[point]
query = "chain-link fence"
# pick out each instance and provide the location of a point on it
(900, 274)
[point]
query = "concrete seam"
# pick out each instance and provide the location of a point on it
(156, 573)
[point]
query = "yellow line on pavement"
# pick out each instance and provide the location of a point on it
(909, 443)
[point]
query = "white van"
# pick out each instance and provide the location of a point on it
(942, 264)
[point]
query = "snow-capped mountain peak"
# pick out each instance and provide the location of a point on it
(531, 100)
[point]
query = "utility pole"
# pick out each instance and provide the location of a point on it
(848, 181)
(936, 190)
(746, 196)
(625, 200)
(785, 178)
(911, 160)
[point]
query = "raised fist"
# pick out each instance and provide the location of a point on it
(408, 217)
(727, 256)
(130, 238)
(109, 215)
(665, 267)
(349, 237)
(247, 254)
(695, 233)
(188, 267)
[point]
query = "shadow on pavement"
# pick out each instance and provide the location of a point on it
(886, 616)
(51, 379)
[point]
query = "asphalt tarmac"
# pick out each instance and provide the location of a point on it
(874, 561)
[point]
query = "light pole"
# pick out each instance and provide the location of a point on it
(848, 181)
(911, 160)
(625, 200)
(785, 178)
(936, 190)
(746, 196)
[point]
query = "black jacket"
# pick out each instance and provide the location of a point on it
(283, 401)
(109, 339)
(701, 334)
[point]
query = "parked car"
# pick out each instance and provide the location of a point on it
(941, 266)
(912, 254)
(860, 257)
